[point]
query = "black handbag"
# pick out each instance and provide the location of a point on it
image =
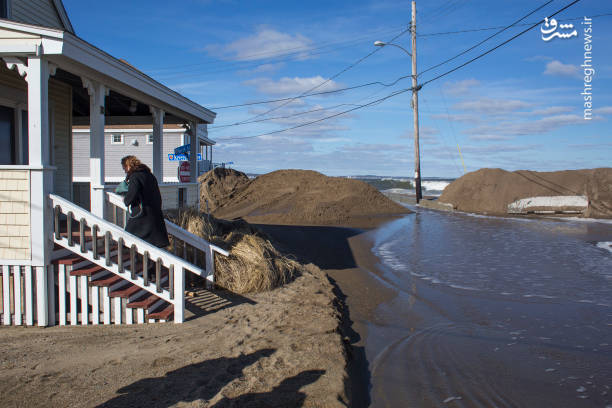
(136, 211)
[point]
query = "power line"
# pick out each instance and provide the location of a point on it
(391, 95)
(498, 27)
(406, 76)
(486, 39)
(213, 127)
(497, 46)
(313, 94)
(329, 79)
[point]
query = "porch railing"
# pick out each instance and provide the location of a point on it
(188, 246)
(107, 249)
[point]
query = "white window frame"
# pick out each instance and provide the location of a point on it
(113, 139)
(150, 138)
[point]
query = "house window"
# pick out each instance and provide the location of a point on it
(4, 9)
(150, 139)
(116, 139)
(7, 138)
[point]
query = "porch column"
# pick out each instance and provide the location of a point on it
(97, 93)
(193, 152)
(41, 176)
(158, 143)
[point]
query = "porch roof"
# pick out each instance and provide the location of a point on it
(78, 57)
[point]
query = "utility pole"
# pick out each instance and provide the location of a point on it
(415, 107)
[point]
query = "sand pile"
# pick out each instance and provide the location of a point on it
(219, 184)
(491, 190)
(254, 264)
(295, 197)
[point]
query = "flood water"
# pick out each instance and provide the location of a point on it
(492, 312)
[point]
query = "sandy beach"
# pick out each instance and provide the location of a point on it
(279, 348)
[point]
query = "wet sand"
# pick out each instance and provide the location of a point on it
(429, 346)
(344, 253)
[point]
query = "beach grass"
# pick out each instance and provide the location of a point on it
(254, 264)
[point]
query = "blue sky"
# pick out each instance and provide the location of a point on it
(519, 107)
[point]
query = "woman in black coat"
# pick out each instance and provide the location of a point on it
(143, 192)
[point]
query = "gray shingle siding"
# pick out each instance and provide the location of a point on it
(114, 152)
(36, 12)
(60, 102)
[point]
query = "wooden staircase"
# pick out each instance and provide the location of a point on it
(102, 274)
(107, 298)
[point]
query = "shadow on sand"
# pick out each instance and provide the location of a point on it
(326, 247)
(286, 394)
(199, 381)
(201, 302)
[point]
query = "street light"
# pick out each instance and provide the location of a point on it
(382, 44)
(415, 102)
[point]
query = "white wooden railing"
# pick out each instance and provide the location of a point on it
(180, 235)
(102, 229)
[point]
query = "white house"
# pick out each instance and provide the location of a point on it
(59, 262)
(137, 140)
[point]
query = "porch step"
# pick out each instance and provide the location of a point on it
(163, 313)
(125, 291)
(87, 270)
(145, 302)
(107, 280)
(69, 260)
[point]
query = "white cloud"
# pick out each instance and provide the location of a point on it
(551, 110)
(499, 148)
(558, 68)
(604, 110)
(291, 86)
(458, 117)
(492, 106)
(426, 133)
(265, 43)
(539, 126)
(461, 87)
(489, 137)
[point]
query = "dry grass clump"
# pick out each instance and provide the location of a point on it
(254, 264)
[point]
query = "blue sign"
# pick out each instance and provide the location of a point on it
(184, 149)
(182, 157)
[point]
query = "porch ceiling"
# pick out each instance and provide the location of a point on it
(120, 109)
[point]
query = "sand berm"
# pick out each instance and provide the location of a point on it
(489, 191)
(294, 197)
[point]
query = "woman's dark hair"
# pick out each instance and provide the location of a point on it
(134, 164)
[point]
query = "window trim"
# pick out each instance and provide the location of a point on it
(150, 138)
(113, 139)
